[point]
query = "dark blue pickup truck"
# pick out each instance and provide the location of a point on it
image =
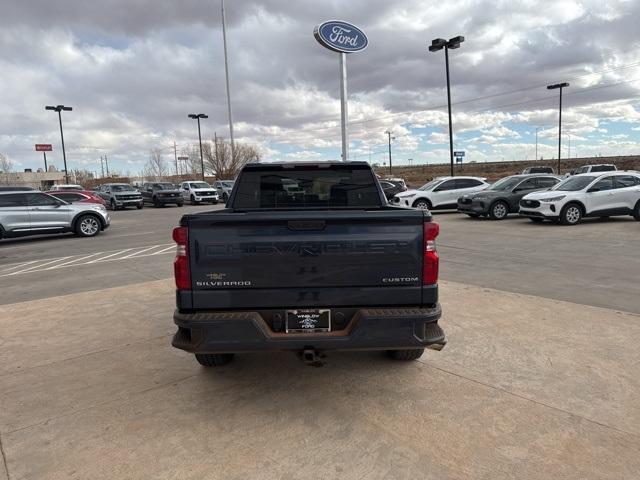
(307, 257)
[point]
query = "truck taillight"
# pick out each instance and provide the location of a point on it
(181, 269)
(430, 260)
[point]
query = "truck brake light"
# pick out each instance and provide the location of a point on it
(430, 260)
(181, 270)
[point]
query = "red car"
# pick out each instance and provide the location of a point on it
(77, 196)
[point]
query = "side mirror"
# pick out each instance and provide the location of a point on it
(593, 189)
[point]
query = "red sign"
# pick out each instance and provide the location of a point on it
(43, 147)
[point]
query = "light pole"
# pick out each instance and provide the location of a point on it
(226, 72)
(198, 116)
(59, 109)
(537, 130)
(388, 132)
(554, 87)
(436, 45)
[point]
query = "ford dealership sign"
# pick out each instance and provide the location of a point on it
(340, 36)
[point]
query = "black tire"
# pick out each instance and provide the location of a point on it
(536, 219)
(193, 200)
(155, 202)
(474, 215)
(214, 359)
(225, 197)
(179, 204)
(422, 204)
(571, 214)
(498, 211)
(88, 226)
(636, 211)
(139, 206)
(406, 355)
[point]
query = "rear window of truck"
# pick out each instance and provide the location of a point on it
(307, 186)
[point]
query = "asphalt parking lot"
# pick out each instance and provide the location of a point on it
(539, 379)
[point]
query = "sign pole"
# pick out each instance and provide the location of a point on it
(45, 161)
(344, 112)
(343, 38)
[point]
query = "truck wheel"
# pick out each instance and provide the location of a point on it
(180, 204)
(113, 205)
(214, 359)
(87, 226)
(140, 205)
(193, 200)
(156, 203)
(225, 197)
(636, 212)
(498, 211)
(410, 354)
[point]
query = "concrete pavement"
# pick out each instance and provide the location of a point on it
(528, 387)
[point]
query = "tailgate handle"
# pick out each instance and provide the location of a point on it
(299, 225)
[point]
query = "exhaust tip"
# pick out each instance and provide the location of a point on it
(437, 346)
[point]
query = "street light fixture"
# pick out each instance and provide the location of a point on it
(388, 132)
(198, 116)
(59, 109)
(554, 87)
(437, 45)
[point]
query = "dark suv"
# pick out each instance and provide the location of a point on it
(161, 193)
(503, 197)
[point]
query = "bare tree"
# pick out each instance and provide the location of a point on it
(156, 168)
(218, 159)
(83, 177)
(6, 167)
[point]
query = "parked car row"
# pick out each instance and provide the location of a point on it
(70, 208)
(539, 197)
(158, 194)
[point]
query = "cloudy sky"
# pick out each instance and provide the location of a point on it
(134, 69)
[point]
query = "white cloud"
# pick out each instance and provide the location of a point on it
(132, 72)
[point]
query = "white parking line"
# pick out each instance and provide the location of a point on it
(72, 261)
(119, 252)
(135, 254)
(49, 264)
(164, 250)
(34, 267)
(18, 265)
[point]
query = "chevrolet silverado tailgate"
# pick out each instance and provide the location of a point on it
(277, 259)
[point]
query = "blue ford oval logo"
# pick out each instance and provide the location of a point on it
(340, 36)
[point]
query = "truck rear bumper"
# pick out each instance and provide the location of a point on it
(369, 329)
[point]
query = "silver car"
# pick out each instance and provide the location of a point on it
(36, 213)
(224, 188)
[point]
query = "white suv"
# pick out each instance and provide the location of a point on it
(586, 195)
(440, 193)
